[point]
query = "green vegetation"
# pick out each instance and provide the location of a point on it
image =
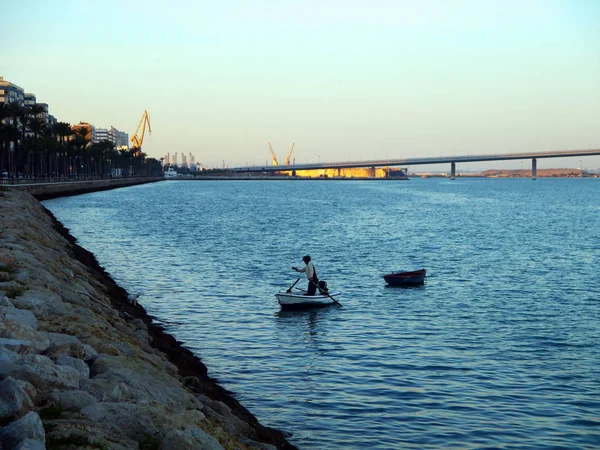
(14, 292)
(8, 268)
(31, 148)
(52, 412)
(71, 441)
(7, 420)
(149, 442)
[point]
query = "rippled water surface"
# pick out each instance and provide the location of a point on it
(500, 348)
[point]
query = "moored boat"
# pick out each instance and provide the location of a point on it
(291, 300)
(414, 278)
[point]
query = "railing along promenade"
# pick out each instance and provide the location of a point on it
(534, 156)
(46, 188)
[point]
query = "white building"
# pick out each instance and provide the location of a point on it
(119, 138)
(100, 135)
(11, 93)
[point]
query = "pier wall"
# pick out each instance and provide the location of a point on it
(45, 191)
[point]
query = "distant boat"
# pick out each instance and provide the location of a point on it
(171, 173)
(299, 300)
(414, 278)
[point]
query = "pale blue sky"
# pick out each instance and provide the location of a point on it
(342, 79)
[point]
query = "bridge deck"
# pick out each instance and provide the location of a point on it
(422, 161)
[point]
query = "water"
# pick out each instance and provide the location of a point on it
(500, 348)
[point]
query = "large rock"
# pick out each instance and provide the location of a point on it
(146, 382)
(20, 317)
(190, 439)
(27, 427)
(72, 400)
(65, 345)
(9, 360)
(20, 324)
(221, 413)
(133, 420)
(5, 302)
(41, 371)
(40, 302)
(30, 444)
(75, 363)
(14, 398)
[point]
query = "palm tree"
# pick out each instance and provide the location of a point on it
(7, 136)
(63, 131)
(36, 126)
(20, 116)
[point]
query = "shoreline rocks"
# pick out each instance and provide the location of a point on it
(81, 365)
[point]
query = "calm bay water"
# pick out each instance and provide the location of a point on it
(500, 348)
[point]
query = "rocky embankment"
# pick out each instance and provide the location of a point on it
(81, 366)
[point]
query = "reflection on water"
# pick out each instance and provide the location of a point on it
(498, 349)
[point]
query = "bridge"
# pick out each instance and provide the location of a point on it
(452, 160)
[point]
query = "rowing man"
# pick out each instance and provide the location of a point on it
(311, 274)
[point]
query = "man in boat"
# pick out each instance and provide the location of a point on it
(311, 274)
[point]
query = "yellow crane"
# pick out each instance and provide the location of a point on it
(136, 138)
(289, 155)
(273, 157)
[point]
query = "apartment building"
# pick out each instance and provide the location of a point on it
(119, 138)
(11, 93)
(100, 135)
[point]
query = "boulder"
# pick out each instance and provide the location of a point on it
(132, 419)
(20, 317)
(29, 444)
(221, 413)
(190, 439)
(42, 373)
(40, 302)
(27, 427)
(72, 400)
(144, 381)
(75, 363)
(14, 398)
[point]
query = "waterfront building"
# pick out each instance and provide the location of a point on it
(43, 113)
(119, 138)
(11, 93)
(29, 99)
(184, 164)
(86, 126)
(100, 135)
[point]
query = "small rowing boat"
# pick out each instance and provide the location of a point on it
(299, 300)
(414, 278)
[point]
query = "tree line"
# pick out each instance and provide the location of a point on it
(32, 148)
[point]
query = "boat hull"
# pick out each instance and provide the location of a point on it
(414, 278)
(289, 300)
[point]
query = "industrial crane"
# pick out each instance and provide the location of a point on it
(289, 155)
(273, 157)
(138, 140)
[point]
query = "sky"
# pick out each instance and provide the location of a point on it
(343, 80)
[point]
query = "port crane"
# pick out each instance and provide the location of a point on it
(138, 139)
(289, 155)
(273, 157)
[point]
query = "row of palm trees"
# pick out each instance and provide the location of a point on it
(31, 148)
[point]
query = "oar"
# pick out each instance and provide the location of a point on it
(322, 292)
(290, 289)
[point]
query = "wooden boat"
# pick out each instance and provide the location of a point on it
(414, 278)
(298, 300)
